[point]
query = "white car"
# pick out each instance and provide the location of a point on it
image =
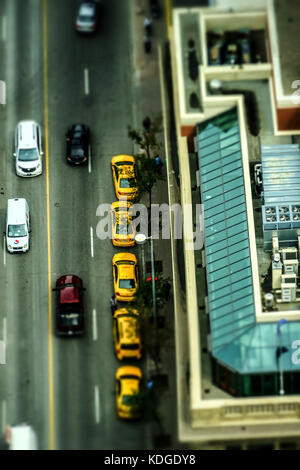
(17, 226)
(28, 149)
(87, 17)
(21, 437)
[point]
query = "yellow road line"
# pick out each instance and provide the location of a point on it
(50, 335)
(168, 6)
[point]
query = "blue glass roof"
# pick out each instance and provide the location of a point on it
(281, 174)
(236, 339)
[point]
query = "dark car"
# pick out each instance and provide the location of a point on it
(78, 144)
(69, 305)
(154, 8)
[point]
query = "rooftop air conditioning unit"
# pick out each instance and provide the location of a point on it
(289, 253)
(288, 268)
(288, 287)
(269, 300)
(270, 210)
(290, 260)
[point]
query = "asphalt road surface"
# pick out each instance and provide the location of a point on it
(64, 388)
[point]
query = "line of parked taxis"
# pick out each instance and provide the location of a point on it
(69, 287)
(126, 329)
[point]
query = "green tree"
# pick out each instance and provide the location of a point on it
(146, 403)
(147, 176)
(143, 297)
(147, 140)
(153, 337)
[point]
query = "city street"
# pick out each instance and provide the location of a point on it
(63, 387)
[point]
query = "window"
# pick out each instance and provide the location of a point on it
(288, 446)
(261, 446)
(256, 387)
(296, 382)
(117, 329)
(269, 384)
(232, 385)
(234, 447)
(116, 272)
(116, 172)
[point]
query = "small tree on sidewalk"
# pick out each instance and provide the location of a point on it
(147, 139)
(147, 169)
(143, 302)
(143, 296)
(147, 404)
(147, 175)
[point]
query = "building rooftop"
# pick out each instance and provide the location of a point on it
(288, 30)
(237, 340)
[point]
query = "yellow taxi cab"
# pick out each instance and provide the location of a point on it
(124, 176)
(128, 385)
(126, 332)
(125, 275)
(123, 231)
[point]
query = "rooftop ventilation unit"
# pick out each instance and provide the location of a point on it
(288, 287)
(283, 209)
(290, 253)
(290, 266)
(284, 217)
(269, 300)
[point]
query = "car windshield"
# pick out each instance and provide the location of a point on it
(76, 141)
(86, 18)
(124, 229)
(70, 319)
(69, 309)
(28, 155)
(127, 284)
(17, 230)
(130, 400)
(77, 152)
(130, 346)
(127, 183)
(70, 284)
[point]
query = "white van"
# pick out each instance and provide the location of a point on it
(28, 149)
(21, 437)
(17, 225)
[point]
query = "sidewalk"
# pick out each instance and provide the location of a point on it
(147, 98)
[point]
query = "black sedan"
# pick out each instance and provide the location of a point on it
(78, 144)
